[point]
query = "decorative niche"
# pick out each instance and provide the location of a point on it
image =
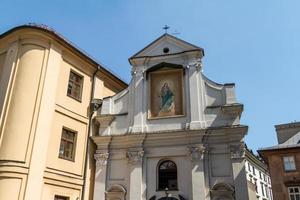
(166, 91)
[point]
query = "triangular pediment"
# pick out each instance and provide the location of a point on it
(166, 45)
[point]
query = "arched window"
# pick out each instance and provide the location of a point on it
(167, 175)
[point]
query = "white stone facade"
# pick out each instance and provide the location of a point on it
(204, 141)
(257, 173)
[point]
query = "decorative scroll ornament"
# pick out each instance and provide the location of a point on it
(197, 65)
(135, 157)
(101, 159)
(237, 150)
(196, 152)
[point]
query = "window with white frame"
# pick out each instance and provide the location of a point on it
(289, 163)
(294, 193)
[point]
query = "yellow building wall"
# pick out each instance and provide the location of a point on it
(22, 107)
(62, 165)
(34, 107)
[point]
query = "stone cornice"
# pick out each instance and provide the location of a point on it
(188, 137)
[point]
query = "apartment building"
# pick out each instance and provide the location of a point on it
(258, 175)
(284, 162)
(46, 87)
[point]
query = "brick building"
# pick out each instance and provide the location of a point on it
(284, 162)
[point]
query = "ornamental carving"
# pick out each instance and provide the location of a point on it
(135, 157)
(196, 152)
(237, 150)
(197, 65)
(101, 159)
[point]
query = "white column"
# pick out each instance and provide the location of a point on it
(198, 181)
(135, 160)
(238, 169)
(100, 175)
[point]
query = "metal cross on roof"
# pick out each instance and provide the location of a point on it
(166, 28)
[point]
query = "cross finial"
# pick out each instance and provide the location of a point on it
(166, 27)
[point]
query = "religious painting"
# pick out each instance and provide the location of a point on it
(166, 93)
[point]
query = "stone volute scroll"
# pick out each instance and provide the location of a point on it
(196, 152)
(237, 150)
(135, 157)
(196, 64)
(101, 159)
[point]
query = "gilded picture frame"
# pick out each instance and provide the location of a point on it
(166, 93)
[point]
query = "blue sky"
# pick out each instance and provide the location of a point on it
(253, 43)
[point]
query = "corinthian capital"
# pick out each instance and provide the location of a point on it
(101, 159)
(237, 150)
(196, 152)
(135, 157)
(196, 64)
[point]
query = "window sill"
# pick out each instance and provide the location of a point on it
(68, 159)
(79, 100)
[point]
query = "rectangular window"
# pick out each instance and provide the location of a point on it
(289, 163)
(253, 170)
(249, 167)
(255, 183)
(260, 175)
(57, 197)
(262, 189)
(267, 191)
(294, 193)
(67, 144)
(75, 86)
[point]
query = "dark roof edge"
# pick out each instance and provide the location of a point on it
(166, 34)
(58, 36)
(287, 125)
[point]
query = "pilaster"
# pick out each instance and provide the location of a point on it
(196, 96)
(138, 81)
(196, 154)
(100, 174)
(237, 152)
(135, 160)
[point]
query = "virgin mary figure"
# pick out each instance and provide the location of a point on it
(167, 101)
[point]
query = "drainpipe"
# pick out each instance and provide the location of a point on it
(88, 140)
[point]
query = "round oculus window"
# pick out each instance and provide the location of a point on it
(166, 50)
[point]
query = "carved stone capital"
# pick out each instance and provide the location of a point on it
(197, 65)
(237, 150)
(101, 159)
(135, 157)
(137, 71)
(196, 152)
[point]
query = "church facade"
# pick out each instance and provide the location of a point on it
(172, 134)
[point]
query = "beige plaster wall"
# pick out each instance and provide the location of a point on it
(49, 191)
(18, 124)
(10, 188)
(2, 85)
(34, 106)
(53, 161)
(78, 107)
